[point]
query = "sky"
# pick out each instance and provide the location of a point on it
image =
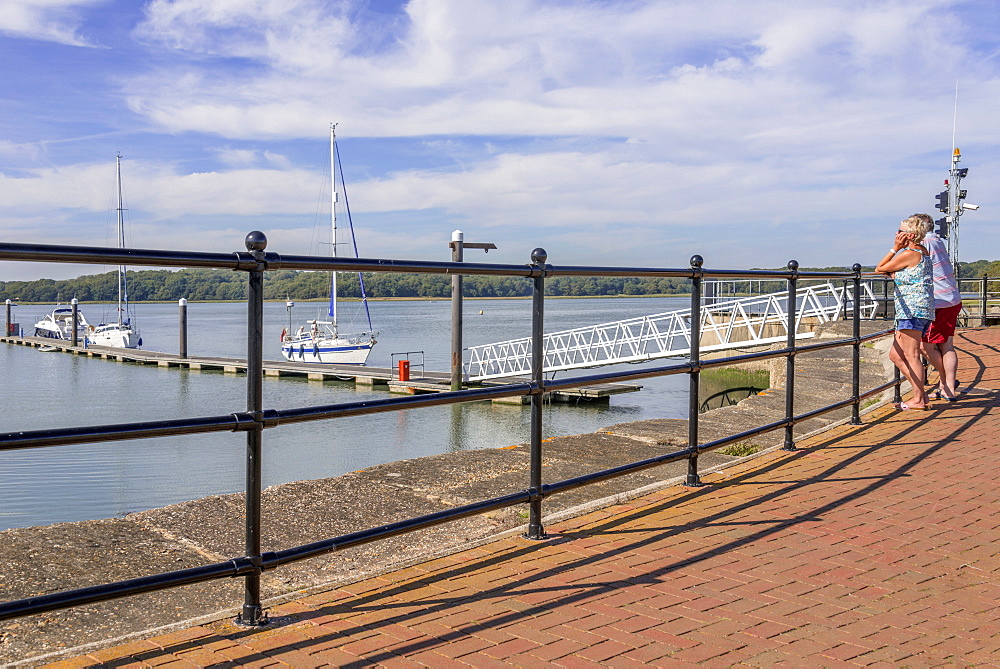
(621, 133)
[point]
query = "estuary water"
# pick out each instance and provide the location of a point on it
(81, 482)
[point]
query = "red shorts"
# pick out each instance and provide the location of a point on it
(943, 326)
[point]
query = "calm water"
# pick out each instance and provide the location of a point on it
(81, 482)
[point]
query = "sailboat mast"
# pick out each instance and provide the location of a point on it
(333, 221)
(121, 235)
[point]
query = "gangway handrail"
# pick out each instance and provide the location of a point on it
(666, 335)
(256, 419)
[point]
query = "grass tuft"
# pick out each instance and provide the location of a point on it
(741, 449)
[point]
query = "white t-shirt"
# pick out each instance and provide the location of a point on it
(946, 293)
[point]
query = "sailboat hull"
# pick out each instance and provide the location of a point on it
(327, 351)
(114, 335)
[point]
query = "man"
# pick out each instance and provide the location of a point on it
(937, 343)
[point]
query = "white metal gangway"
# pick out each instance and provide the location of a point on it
(724, 324)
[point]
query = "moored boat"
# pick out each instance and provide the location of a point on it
(59, 325)
(121, 332)
(320, 340)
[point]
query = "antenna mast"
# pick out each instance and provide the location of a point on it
(951, 201)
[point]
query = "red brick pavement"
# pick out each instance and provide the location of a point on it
(872, 544)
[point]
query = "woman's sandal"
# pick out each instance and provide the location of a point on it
(903, 406)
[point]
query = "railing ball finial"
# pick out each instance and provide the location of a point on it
(697, 261)
(856, 267)
(539, 256)
(256, 241)
(793, 265)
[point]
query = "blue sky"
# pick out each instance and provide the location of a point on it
(617, 133)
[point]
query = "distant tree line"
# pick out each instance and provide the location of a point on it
(219, 285)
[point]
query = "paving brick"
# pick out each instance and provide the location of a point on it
(555, 650)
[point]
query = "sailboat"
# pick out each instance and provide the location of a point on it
(321, 341)
(120, 333)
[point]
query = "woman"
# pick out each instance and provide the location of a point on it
(908, 263)
(938, 344)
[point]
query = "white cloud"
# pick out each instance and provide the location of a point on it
(47, 20)
(654, 70)
(645, 121)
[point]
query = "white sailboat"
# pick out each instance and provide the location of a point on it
(119, 333)
(321, 341)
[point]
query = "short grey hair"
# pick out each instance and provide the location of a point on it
(926, 220)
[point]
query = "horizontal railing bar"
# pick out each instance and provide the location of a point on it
(614, 472)
(99, 593)
(245, 421)
(391, 266)
(273, 261)
(612, 377)
(705, 273)
(710, 363)
(342, 410)
(878, 389)
(740, 436)
(815, 413)
(316, 548)
(875, 335)
(124, 431)
(100, 255)
(822, 345)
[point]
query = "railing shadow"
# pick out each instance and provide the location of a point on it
(544, 599)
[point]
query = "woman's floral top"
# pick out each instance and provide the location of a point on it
(915, 291)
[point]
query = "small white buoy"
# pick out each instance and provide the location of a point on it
(480, 312)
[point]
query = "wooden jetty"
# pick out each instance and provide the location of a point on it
(419, 381)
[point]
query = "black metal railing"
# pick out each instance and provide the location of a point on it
(256, 419)
(984, 292)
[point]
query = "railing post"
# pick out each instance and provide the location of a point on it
(183, 327)
(457, 237)
(897, 395)
(856, 357)
(843, 316)
(885, 299)
(694, 376)
(793, 267)
(982, 305)
(75, 337)
(535, 529)
(253, 614)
